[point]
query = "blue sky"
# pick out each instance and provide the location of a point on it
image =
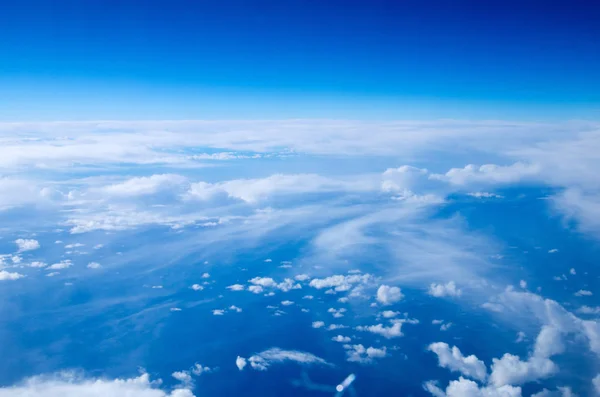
(262, 198)
(273, 59)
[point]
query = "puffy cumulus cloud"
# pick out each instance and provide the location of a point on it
(240, 362)
(263, 281)
(387, 295)
(318, 324)
(4, 275)
(453, 359)
(402, 179)
(341, 339)
(288, 285)
(145, 185)
(27, 244)
(467, 388)
(442, 290)
(360, 354)
(262, 361)
(596, 383)
(94, 265)
(302, 277)
(583, 292)
(512, 370)
(255, 289)
(341, 283)
(198, 287)
(64, 264)
(393, 331)
(489, 174)
(254, 190)
(560, 392)
(72, 385)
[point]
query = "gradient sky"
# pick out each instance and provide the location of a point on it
(268, 59)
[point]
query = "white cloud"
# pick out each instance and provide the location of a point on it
(256, 289)
(360, 354)
(38, 264)
(64, 264)
(467, 388)
(263, 281)
(288, 285)
(583, 292)
(589, 310)
(341, 339)
(302, 277)
(262, 361)
(218, 312)
(337, 313)
(523, 284)
(198, 369)
(572, 271)
(553, 251)
(4, 275)
(453, 359)
(442, 290)
(389, 313)
(75, 245)
(484, 195)
(183, 377)
(340, 283)
(236, 287)
(489, 174)
(445, 327)
(235, 308)
(240, 362)
(333, 327)
(27, 244)
(596, 383)
(387, 295)
(318, 324)
(394, 331)
(94, 265)
(287, 303)
(198, 287)
(68, 384)
(146, 185)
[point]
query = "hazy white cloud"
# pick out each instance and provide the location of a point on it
(198, 287)
(341, 339)
(442, 290)
(27, 244)
(453, 359)
(240, 362)
(340, 282)
(318, 324)
(467, 388)
(387, 295)
(360, 354)
(489, 174)
(64, 264)
(589, 310)
(393, 331)
(262, 361)
(256, 289)
(68, 384)
(287, 303)
(145, 185)
(218, 312)
(4, 275)
(236, 287)
(596, 383)
(583, 292)
(94, 265)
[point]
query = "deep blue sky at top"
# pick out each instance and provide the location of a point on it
(285, 58)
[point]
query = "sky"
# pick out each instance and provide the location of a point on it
(236, 59)
(299, 198)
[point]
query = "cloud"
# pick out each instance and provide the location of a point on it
(442, 290)
(64, 264)
(394, 331)
(489, 174)
(360, 354)
(142, 186)
(318, 324)
(236, 287)
(240, 362)
(453, 359)
(27, 244)
(69, 384)
(596, 383)
(4, 275)
(467, 388)
(262, 361)
(341, 339)
(387, 295)
(218, 312)
(198, 287)
(263, 281)
(340, 283)
(287, 303)
(589, 310)
(583, 292)
(254, 190)
(94, 265)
